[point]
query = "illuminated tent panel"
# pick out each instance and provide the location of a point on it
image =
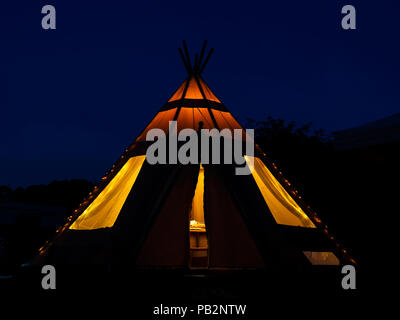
(225, 120)
(322, 258)
(104, 210)
(207, 91)
(160, 121)
(197, 211)
(190, 118)
(178, 94)
(193, 91)
(282, 206)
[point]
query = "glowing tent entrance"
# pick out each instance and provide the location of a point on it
(193, 216)
(197, 227)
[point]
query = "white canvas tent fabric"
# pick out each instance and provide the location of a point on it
(104, 210)
(282, 206)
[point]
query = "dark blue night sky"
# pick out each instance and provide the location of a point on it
(73, 98)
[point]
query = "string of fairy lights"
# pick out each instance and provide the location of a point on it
(312, 214)
(85, 203)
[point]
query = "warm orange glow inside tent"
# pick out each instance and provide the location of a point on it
(198, 236)
(190, 118)
(104, 210)
(322, 258)
(197, 212)
(193, 91)
(282, 206)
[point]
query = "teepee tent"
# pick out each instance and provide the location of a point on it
(194, 215)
